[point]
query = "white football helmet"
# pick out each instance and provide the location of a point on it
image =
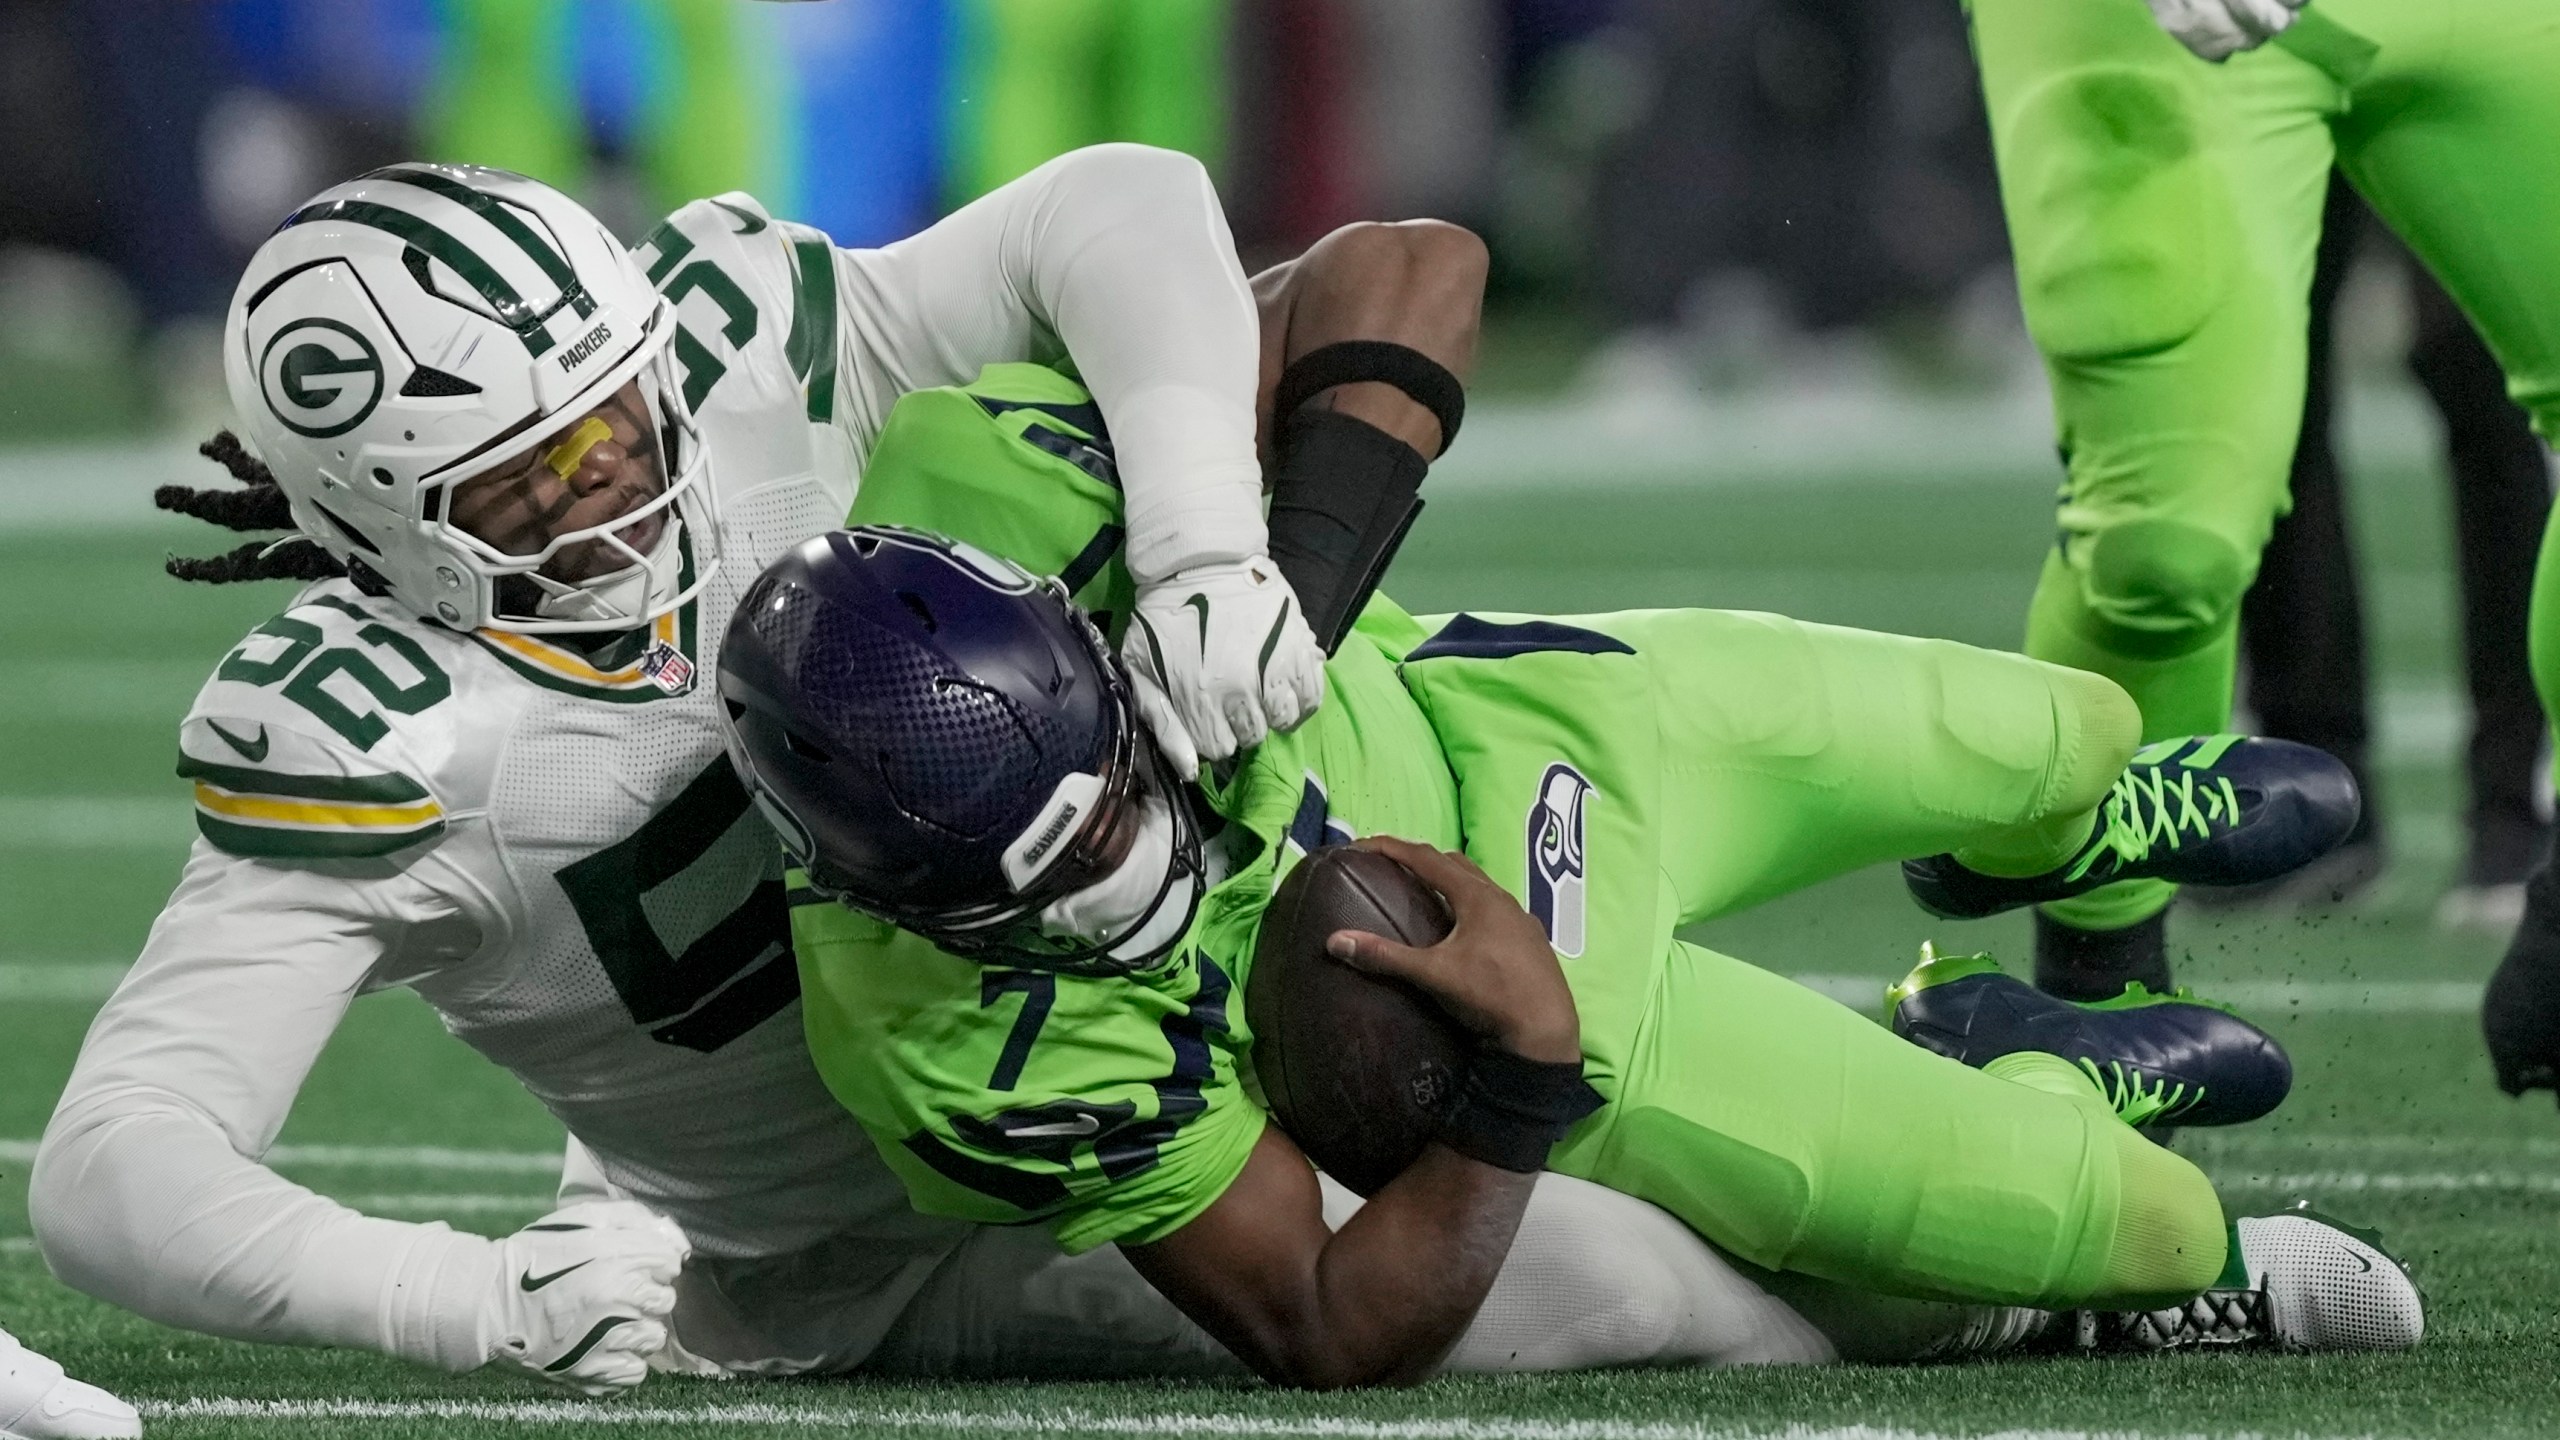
(427, 324)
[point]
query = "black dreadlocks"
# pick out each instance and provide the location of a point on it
(261, 505)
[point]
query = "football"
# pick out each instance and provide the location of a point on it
(1359, 1068)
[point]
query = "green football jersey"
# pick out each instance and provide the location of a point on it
(1113, 1109)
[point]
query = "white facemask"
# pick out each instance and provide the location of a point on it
(1134, 895)
(634, 590)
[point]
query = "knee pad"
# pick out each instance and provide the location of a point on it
(2122, 224)
(2158, 589)
(2170, 1237)
(2108, 726)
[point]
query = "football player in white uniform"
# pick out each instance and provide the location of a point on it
(479, 759)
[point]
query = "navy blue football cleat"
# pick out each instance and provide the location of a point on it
(2204, 810)
(2159, 1059)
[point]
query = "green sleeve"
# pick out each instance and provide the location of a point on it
(1018, 463)
(1107, 1108)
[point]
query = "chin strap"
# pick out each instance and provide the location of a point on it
(1130, 914)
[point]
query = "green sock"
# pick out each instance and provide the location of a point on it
(2171, 1240)
(2097, 728)
(2235, 1271)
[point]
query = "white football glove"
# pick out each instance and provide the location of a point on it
(2220, 29)
(1220, 656)
(583, 1294)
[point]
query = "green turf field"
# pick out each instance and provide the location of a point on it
(2394, 1120)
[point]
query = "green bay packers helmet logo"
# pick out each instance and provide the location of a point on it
(320, 377)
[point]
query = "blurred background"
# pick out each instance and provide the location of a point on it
(1752, 339)
(1680, 195)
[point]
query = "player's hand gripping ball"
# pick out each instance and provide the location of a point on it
(1380, 969)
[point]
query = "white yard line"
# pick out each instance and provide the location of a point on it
(2266, 997)
(162, 822)
(1770, 437)
(1063, 1421)
(2387, 1182)
(2242, 1141)
(60, 980)
(374, 1157)
(2319, 997)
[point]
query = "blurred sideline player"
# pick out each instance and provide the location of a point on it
(2302, 623)
(530, 822)
(1035, 78)
(481, 763)
(2164, 214)
(507, 94)
(1052, 1031)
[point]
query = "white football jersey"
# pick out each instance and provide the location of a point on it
(546, 843)
(634, 968)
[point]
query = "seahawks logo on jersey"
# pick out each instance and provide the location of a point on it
(1556, 856)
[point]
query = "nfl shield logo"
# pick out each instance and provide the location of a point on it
(667, 668)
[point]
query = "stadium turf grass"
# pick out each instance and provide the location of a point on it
(2394, 1121)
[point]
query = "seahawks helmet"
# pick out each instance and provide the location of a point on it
(427, 324)
(947, 743)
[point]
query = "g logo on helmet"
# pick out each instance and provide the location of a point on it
(321, 378)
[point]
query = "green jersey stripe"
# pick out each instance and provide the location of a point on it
(505, 222)
(432, 241)
(812, 343)
(344, 789)
(672, 246)
(1024, 1190)
(262, 842)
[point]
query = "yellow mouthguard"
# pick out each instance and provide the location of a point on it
(566, 456)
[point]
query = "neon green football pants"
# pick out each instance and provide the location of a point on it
(2165, 212)
(1628, 774)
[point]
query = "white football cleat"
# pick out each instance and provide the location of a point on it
(39, 1402)
(2313, 1284)
(2329, 1286)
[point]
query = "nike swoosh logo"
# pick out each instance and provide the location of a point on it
(531, 1282)
(253, 751)
(579, 1351)
(2363, 1266)
(748, 223)
(1077, 1128)
(1201, 604)
(1271, 641)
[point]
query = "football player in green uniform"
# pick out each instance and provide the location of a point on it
(2165, 214)
(1040, 1017)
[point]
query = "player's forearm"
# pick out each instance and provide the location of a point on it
(137, 1202)
(1128, 254)
(1396, 1286)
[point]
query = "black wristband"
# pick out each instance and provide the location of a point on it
(1342, 498)
(1511, 1111)
(1424, 380)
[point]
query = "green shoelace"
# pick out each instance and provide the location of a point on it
(2148, 806)
(2136, 1102)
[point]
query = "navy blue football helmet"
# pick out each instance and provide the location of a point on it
(944, 741)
